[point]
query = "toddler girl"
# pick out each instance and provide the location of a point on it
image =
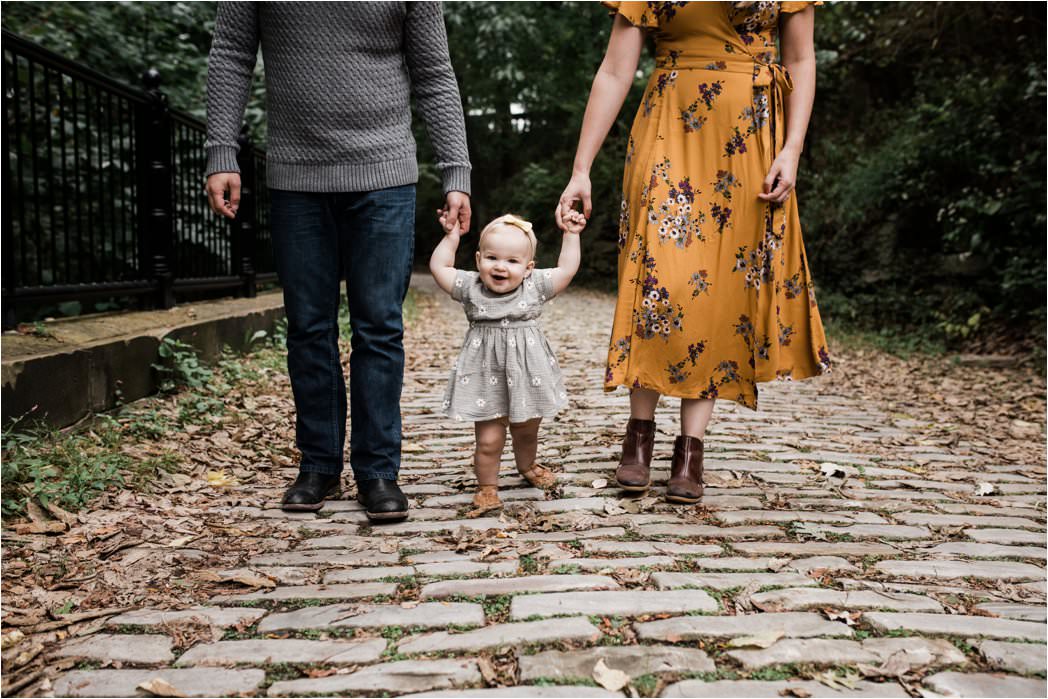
(506, 373)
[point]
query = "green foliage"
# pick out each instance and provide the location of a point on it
(123, 39)
(68, 470)
(180, 366)
(923, 196)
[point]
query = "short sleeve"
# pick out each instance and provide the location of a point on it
(464, 281)
(638, 14)
(543, 279)
(796, 6)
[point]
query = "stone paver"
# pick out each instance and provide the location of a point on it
(426, 614)
(135, 649)
(222, 617)
(994, 535)
(348, 591)
(981, 684)
(334, 557)
(923, 651)
(398, 677)
(258, 651)
(577, 629)
(650, 547)
(587, 573)
(971, 550)
(190, 682)
(779, 688)
(348, 575)
(988, 570)
(1014, 657)
(624, 562)
(958, 624)
(814, 548)
(634, 661)
(556, 691)
(692, 628)
(799, 598)
(817, 651)
(708, 532)
(616, 602)
(1028, 612)
(725, 581)
(827, 563)
(505, 586)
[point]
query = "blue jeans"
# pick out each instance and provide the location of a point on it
(371, 237)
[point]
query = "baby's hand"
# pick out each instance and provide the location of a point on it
(450, 228)
(574, 221)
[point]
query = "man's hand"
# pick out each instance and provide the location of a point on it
(456, 209)
(217, 186)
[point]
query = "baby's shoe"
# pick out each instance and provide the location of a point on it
(539, 477)
(485, 499)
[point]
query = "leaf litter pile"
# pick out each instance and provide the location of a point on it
(185, 536)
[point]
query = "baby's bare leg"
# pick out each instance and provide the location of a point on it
(525, 448)
(491, 438)
(525, 442)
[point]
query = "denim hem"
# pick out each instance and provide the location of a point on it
(374, 476)
(326, 470)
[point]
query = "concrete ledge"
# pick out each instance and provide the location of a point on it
(76, 367)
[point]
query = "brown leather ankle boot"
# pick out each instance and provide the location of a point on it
(634, 471)
(685, 484)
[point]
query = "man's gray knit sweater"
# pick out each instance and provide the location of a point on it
(339, 78)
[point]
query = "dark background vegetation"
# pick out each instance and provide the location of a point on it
(922, 188)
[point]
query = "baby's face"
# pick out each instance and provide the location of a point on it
(504, 259)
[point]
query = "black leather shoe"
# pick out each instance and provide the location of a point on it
(382, 499)
(309, 490)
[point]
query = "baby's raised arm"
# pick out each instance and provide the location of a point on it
(442, 261)
(570, 250)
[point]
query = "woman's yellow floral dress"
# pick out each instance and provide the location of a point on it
(714, 290)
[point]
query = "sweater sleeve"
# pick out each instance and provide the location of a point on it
(436, 91)
(230, 67)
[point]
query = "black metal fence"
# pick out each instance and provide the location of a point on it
(104, 197)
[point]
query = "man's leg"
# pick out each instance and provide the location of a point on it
(306, 246)
(378, 235)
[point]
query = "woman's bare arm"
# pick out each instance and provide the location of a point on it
(798, 55)
(611, 84)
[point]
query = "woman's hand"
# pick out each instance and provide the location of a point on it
(782, 177)
(578, 189)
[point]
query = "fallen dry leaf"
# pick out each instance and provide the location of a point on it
(47, 527)
(985, 489)
(609, 678)
(849, 618)
(160, 687)
(220, 479)
(831, 470)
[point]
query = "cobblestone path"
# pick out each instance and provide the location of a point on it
(832, 555)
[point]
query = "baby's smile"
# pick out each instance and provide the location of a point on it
(504, 259)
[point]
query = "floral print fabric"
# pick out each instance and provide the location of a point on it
(714, 291)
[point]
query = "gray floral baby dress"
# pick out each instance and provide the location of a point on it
(506, 367)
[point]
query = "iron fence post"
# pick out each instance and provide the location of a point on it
(9, 265)
(156, 190)
(245, 224)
